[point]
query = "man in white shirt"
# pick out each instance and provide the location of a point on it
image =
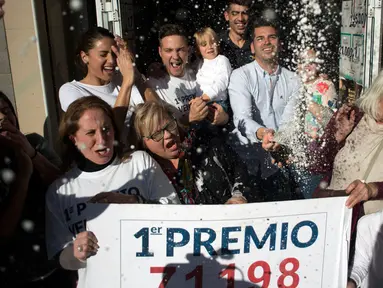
(262, 96)
(178, 86)
(366, 268)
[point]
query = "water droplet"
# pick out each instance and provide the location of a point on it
(28, 225)
(81, 146)
(36, 248)
(8, 175)
(75, 5)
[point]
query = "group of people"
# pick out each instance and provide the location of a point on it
(201, 132)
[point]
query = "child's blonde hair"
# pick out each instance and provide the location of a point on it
(200, 35)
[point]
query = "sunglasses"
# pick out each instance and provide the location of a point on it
(171, 127)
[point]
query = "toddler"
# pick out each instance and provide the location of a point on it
(213, 70)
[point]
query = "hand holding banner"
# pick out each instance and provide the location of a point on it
(281, 244)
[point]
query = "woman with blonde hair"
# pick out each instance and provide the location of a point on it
(97, 166)
(203, 171)
(351, 149)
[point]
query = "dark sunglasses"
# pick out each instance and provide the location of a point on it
(171, 127)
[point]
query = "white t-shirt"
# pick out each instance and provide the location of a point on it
(176, 91)
(367, 264)
(213, 78)
(66, 199)
(74, 90)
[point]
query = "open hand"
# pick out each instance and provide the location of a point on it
(125, 61)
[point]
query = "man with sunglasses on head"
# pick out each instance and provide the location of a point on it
(236, 43)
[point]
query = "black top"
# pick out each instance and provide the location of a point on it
(236, 55)
(218, 171)
(23, 258)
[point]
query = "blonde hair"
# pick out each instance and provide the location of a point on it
(200, 37)
(148, 117)
(369, 102)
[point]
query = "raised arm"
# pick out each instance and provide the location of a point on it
(145, 90)
(324, 150)
(126, 66)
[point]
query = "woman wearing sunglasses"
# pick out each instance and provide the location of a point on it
(202, 171)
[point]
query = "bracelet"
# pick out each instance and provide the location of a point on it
(34, 156)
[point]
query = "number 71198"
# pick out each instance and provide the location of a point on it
(287, 269)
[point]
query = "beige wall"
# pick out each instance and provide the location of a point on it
(6, 84)
(24, 63)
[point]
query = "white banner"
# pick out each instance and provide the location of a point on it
(281, 244)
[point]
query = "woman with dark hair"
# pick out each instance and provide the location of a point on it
(100, 55)
(34, 145)
(28, 167)
(97, 167)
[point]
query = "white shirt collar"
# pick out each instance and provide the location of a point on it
(264, 72)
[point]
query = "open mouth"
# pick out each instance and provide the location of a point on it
(176, 64)
(240, 26)
(268, 50)
(103, 151)
(172, 146)
(109, 69)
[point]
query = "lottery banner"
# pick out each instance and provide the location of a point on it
(278, 244)
(353, 29)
